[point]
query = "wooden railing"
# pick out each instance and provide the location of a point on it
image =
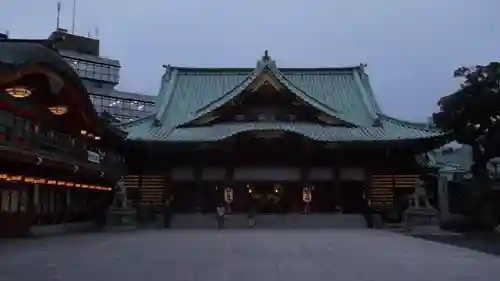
(22, 133)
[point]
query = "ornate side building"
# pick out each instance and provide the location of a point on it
(59, 160)
(285, 139)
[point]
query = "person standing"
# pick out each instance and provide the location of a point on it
(221, 211)
(368, 213)
(251, 216)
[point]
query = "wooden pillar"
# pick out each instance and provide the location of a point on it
(367, 185)
(34, 194)
(391, 170)
(140, 171)
(337, 181)
(67, 204)
(229, 178)
(304, 177)
(166, 185)
(34, 201)
(198, 192)
(337, 187)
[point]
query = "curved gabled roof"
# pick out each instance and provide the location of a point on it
(268, 66)
(18, 57)
(389, 129)
(188, 93)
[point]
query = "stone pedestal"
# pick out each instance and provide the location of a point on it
(420, 212)
(443, 197)
(120, 214)
(421, 217)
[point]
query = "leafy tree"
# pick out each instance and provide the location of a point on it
(471, 116)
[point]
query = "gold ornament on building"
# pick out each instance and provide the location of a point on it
(18, 92)
(59, 110)
(228, 195)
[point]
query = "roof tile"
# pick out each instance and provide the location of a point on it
(188, 93)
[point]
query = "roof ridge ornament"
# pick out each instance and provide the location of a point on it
(362, 66)
(168, 72)
(266, 56)
(265, 60)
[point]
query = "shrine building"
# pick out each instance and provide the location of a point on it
(290, 140)
(59, 159)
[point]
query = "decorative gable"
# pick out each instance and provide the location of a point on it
(196, 96)
(266, 80)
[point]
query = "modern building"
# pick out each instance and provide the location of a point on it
(59, 159)
(282, 140)
(101, 75)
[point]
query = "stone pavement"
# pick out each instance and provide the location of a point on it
(240, 255)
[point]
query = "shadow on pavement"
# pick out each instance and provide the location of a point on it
(483, 242)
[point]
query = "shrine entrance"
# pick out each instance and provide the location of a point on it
(267, 190)
(282, 197)
(274, 197)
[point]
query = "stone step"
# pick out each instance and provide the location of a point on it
(311, 221)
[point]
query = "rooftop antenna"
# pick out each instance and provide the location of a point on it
(58, 14)
(74, 14)
(97, 33)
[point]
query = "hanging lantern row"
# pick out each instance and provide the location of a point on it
(58, 110)
(18, 178)
(18, 92)
(22, 92)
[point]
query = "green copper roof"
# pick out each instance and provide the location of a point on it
(345, 93)
(388, 130)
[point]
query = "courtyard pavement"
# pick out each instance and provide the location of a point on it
(240, 255)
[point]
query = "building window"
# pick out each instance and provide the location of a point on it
(90, 70)
(123, 109)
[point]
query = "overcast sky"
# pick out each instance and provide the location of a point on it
(411, 47)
